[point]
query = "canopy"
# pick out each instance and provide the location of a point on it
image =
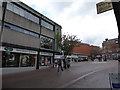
(59, 57)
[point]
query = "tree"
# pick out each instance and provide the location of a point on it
(95, 52)
(67, 42)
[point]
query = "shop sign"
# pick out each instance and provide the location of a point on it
(17, 50)
(59, 57)
(46, 54)
(25, 51)
(104, 6)
(8, 49)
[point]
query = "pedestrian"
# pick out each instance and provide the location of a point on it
(55, 63)
(60, 65)
(92, 58)
(68, 63)
(64, 63)
(105, 58)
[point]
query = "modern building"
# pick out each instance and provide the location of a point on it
(27, 36)
(110, 48)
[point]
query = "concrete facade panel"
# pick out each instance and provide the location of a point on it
(14, 37)
(47, 32)
(21, 21)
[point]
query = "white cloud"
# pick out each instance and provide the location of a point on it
(80, 18)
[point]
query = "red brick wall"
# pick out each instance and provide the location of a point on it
(84, 48)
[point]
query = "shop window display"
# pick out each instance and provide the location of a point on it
(28, 60)
(24, 60)
(10, 59)
(42, 61)
(45, 60)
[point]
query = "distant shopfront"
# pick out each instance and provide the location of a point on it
(15, 57)
(46, 58)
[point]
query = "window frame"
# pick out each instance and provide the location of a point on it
(22, 12)
(51, 42)
(47, 25)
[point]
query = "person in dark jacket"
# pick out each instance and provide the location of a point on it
(68, 63)
(64, 63)
(60, 65)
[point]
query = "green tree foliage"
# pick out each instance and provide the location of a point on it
(95, 52)
(68, 42)
(58, 40)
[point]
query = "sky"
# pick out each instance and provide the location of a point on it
(80, 18)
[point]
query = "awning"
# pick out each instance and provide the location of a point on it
(59, 57)
(72, 56)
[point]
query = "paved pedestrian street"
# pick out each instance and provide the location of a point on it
(86, 74)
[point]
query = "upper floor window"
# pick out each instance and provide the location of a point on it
(12, 27)
(46, 24)
(22, 12)
(46, 42)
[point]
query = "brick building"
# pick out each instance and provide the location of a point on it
(83, 49)
(110, 48)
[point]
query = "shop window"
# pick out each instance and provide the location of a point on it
(45, 60)
(28, 60)
(33, 59)
(46, 42)
(42, 61)
(24, 60)
(10, 59)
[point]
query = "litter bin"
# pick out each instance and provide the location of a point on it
(114, 79)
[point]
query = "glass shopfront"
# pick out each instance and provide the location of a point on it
(12, 58)
(46, 58)
(27, 60)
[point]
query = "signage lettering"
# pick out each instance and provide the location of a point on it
(104, 6)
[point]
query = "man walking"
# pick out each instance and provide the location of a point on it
(64, 63)
(60, 65)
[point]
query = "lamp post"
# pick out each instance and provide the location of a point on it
(116, 8)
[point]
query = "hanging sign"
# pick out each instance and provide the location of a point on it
(103, 7)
